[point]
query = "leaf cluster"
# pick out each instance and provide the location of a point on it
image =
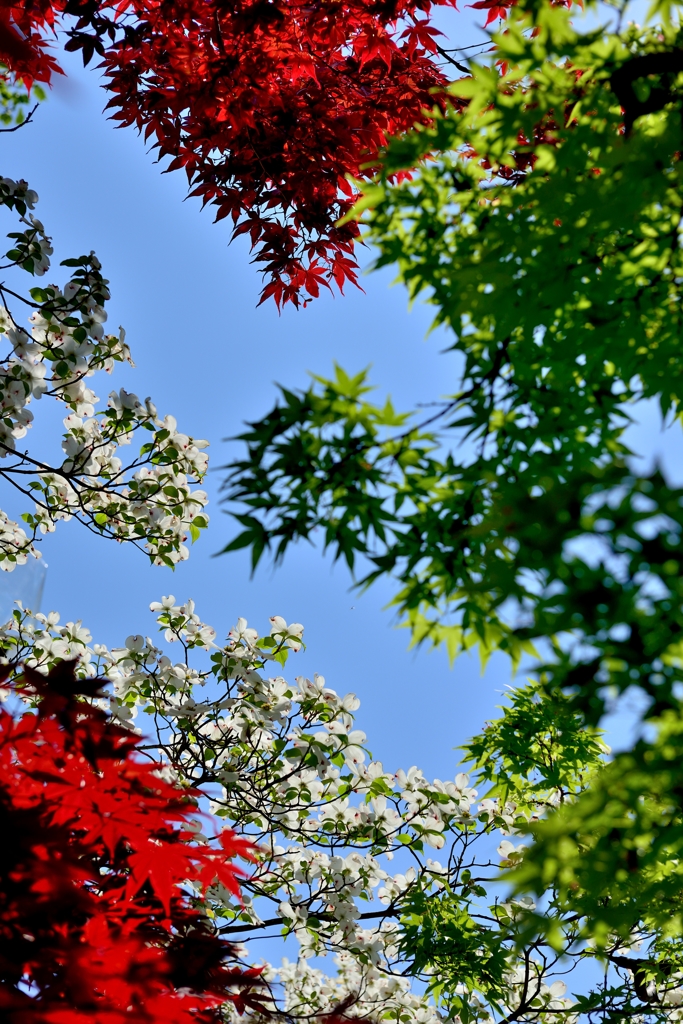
(543, 225)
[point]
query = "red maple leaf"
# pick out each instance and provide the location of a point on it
(95, 925)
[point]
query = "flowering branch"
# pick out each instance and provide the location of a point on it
(148, 499)
(285, 766)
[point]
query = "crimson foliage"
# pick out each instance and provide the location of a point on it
(23, 46)
(267, 105)
(94, 926)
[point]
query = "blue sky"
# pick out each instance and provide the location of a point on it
(208, 355)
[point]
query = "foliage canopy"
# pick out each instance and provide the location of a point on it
(545, 231)
(268, 108)
(543, 223)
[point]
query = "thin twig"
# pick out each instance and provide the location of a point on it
(23, 123)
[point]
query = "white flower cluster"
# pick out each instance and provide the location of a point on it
(366, 993)
(147, 499)
(285, 765)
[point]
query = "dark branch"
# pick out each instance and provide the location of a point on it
(23, 124)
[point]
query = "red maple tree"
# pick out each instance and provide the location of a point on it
(95, 926)
(267, 105)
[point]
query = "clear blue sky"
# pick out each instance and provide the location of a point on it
(206, 354)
